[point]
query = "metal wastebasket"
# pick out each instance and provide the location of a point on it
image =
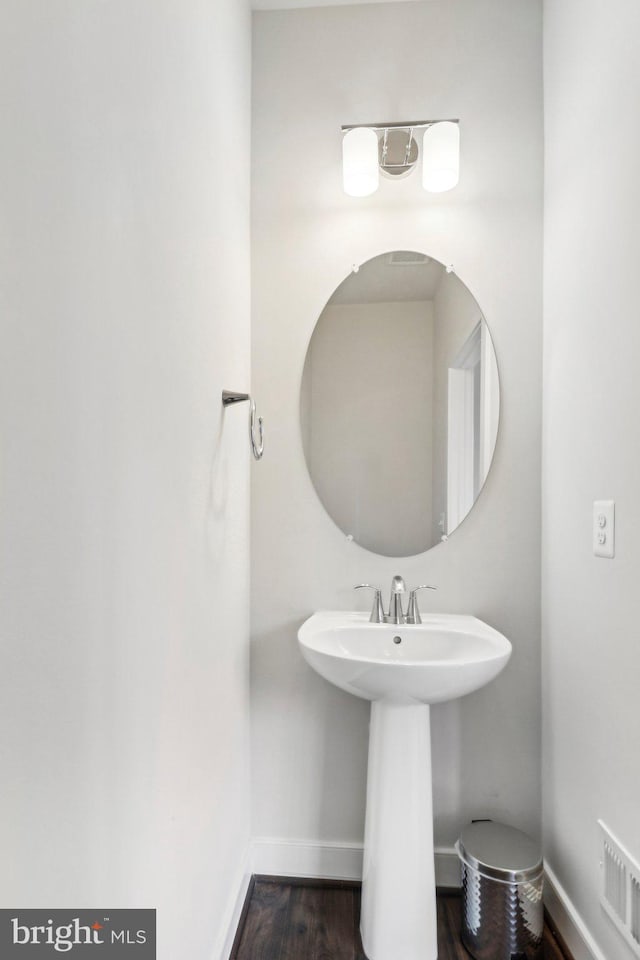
(502, 911)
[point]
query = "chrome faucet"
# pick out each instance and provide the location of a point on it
(396, 613)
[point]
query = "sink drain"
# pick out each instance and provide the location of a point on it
(397, 639)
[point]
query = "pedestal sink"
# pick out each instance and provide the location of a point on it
(402, 669)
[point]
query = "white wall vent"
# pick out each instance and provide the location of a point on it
(620, 887)
(405, 258)
(635, 910)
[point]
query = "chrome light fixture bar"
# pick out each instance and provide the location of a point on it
(368, 148)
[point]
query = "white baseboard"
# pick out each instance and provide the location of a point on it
(447, 867)
(231, 914)
(568, 921)
(332, 861)
(305, 858)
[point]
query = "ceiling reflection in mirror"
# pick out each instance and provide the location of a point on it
(399, 404)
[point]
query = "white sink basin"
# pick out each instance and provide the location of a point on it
(444, 657)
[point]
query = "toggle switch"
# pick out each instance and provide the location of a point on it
(604, 540)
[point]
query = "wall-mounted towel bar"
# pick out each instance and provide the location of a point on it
(231, 396)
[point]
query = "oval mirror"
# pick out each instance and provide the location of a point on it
(399, 404)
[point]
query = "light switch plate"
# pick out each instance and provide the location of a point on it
(604, 529)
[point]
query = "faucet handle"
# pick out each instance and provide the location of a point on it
(413, 613)
(377, 612)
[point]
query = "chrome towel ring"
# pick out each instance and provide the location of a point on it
(231, 396)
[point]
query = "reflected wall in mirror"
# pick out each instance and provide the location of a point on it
(400, 404)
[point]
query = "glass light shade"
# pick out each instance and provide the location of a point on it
(441, 156)
(360, 169)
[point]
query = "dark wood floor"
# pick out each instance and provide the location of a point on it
(315, 920)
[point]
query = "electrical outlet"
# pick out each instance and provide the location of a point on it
(604, 528)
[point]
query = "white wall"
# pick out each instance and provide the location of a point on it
(124, 494)
(479, 60)
(591, 661)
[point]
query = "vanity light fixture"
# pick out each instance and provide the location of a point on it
(368, 148)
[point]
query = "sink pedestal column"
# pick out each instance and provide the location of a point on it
(398, 883)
